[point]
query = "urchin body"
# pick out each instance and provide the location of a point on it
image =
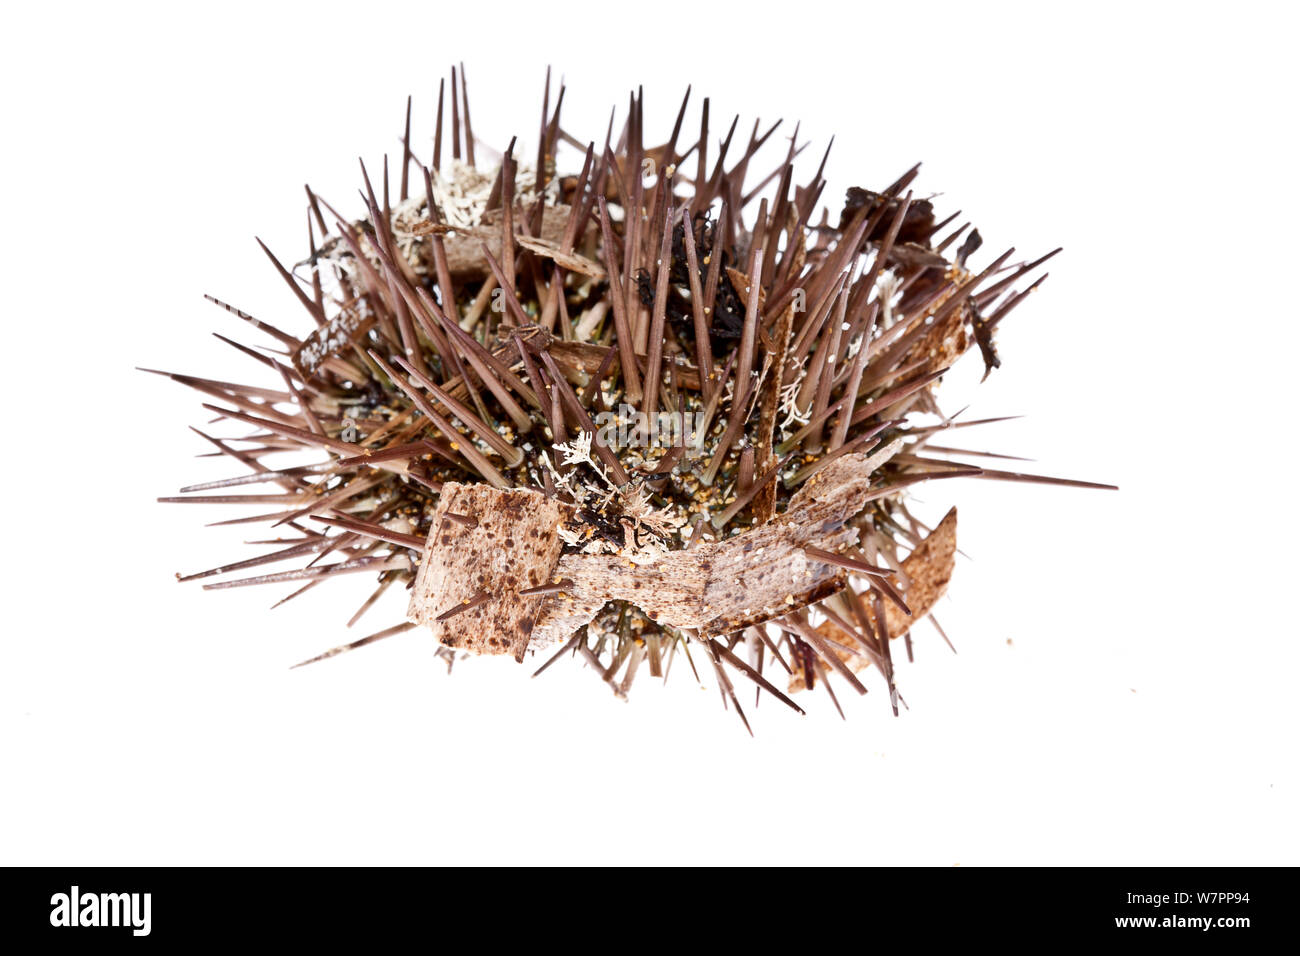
(478, 345)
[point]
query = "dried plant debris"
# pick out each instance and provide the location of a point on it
(924, 578)
(641, 398)
(486, 556)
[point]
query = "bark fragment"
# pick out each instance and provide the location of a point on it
(721, 587)
(926, 573)
(512, 546)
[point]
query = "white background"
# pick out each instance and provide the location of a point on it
(1124, 690)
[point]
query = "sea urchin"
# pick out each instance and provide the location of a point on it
(649, 406)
